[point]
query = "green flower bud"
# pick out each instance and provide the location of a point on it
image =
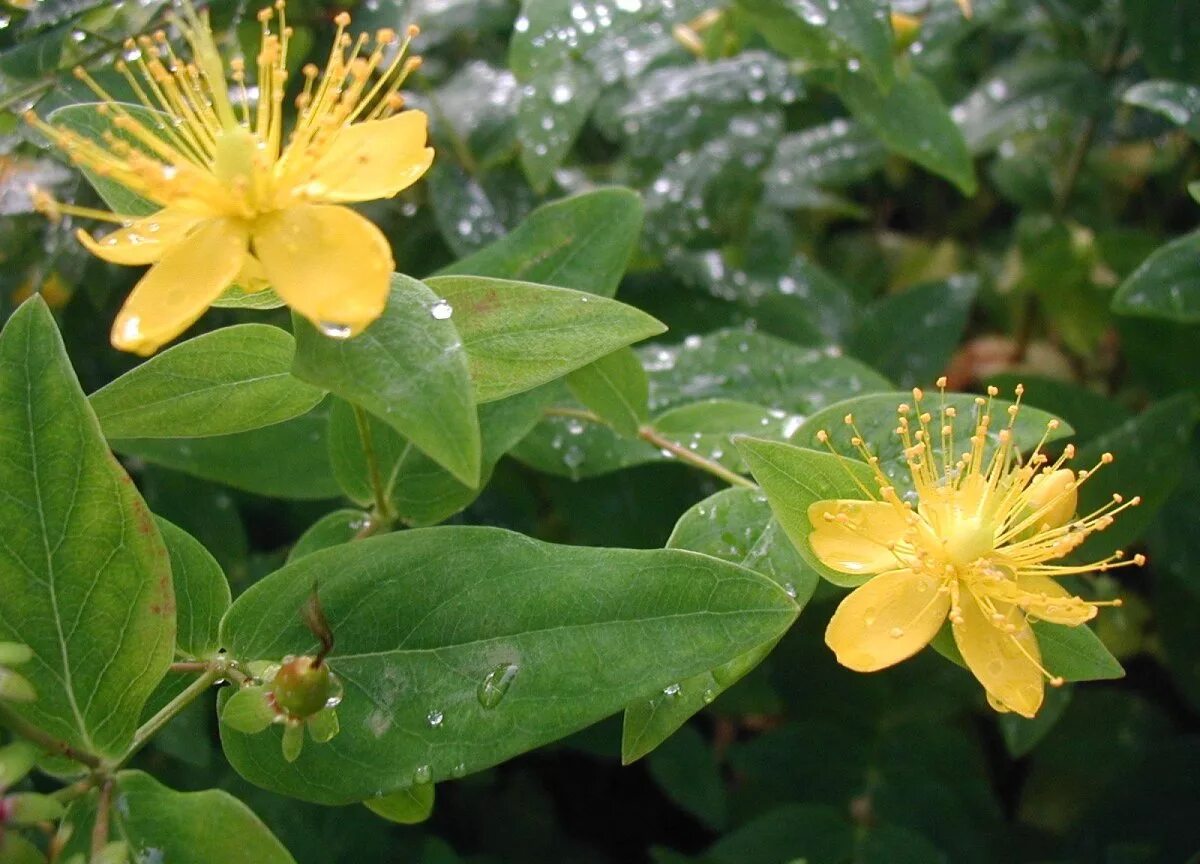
(301, 687)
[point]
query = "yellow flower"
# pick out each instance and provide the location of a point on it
(239, 203)
(975, 548)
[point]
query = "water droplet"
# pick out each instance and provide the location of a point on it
(441, 310)
(491, 691)
(708, 695)
(896, 632)
(459, 770)
(671, 690)
(423, 774)
(434, 718)
(334, 331)
(790, 590)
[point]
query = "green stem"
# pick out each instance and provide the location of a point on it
(383, 512)
(19, 725)
(652, 436)
(100, 826)
(151, 727)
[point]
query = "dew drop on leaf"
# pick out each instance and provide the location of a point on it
(491, 691)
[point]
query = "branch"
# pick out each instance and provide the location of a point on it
(45, 740)
(652, 436)
(378, 489)
(148, 729)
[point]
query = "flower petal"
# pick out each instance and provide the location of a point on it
(373, 159)
(326, 262)
(145, 241)
(179, 288)
(887, 619)
(1005, 663)
(1044, 598)
(861, 541)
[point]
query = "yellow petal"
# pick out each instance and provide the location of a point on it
(177, 290)
(861, 541)
(326, 262)
(887, 619)
(1005, 663)
(1044, 598)
(143, 242)
(373, 159)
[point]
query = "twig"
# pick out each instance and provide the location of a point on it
(652, 436)
(383, 512)
(148, 729)
(48, 742)
(100, 826)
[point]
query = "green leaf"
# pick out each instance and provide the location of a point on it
(911, 336)
(409, 369)
(735, 525)
(728, 365)
(417, 489)
(83, 571)
(1148, 452)
(17, 760)
(912, 119)
(1075, 653)
(793, 479)
(287, 460)
(201, 592)
(1166, 285)
(1178, 102)
(15, 849)
(220, 383)
(160, 824)
(616, 388)
(485, 629)
(582, 242)
(806, 832)
(332, 529)
(1168, 32)
(555, 103)
(828, 30)
(409, 806)
(686, 769)
(247, 710)
(518, 335)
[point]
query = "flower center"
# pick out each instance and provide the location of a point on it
(968, 541)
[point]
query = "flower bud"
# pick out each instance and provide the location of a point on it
(301, 687)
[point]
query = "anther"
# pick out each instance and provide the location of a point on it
(941, 383)
(1106, 458)
(342, 19)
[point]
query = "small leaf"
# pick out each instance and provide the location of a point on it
(479, 627)
(98, 652)
(518, 335)
(409, 369)
(29, 808)
(248, 711)
(1148, 451)
(555, 103)
(332, 529)
(226, 381)
(1166, 285)
(409, 806)
(912, 119)
(16, 760)
(201, 592)
(581, 242)
(1178, 102)
(829, 30)
(160, 824)
(616, 388)
(1075, 653)
(793, 479)
(911, 336)
(293, 742)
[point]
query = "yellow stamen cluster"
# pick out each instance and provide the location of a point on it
(978, 540)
